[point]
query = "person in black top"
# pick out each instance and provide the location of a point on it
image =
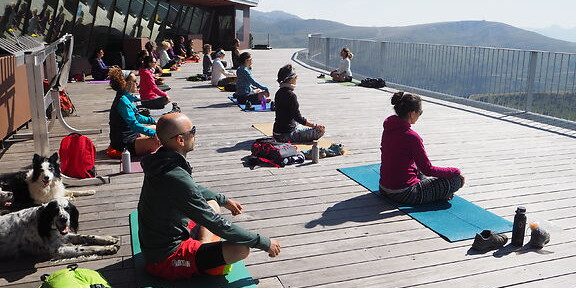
(288, 112)
(236, 54)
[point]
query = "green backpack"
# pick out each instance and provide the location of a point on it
(74, 277)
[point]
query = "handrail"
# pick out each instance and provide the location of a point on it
(526, 80)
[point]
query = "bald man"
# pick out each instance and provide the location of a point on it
(178, 218)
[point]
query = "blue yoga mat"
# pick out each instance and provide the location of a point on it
(239, 277)
(454, 220)
(257, 106)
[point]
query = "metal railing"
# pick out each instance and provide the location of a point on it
(530, 81)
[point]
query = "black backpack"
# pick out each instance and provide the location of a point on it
(273, 152)
(373, 83)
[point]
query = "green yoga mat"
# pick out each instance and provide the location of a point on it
(454, 220)
(239, 277)
(350, 83)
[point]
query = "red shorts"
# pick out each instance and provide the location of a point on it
(181, 264)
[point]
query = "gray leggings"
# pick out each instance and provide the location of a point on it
(300, 135)
(429, 189)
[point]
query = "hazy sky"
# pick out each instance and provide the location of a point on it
(519, 13)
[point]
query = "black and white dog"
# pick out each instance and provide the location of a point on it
(39, 185)
(49, 230)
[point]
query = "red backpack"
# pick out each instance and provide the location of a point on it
(66, 104)
(77, 156)
(273, 152)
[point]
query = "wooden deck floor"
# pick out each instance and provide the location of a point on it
(334, 233)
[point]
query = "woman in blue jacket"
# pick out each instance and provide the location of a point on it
(128, 128)
(247, 88)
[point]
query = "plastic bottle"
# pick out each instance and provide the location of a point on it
(315, 152)
(263, 103)
(538, 237)
(126, 161)
(519, 227)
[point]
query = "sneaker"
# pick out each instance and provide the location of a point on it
(487, 240)
(321, 76)
(248, 106)
(175, 108)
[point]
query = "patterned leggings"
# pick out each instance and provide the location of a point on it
(429, 189)
(302, 134)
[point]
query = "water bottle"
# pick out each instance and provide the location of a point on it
(315, 152)
(263, 103)
(126, 162)
(519, 227)
(538, 237)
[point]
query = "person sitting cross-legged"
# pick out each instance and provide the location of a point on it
(406, 174)
(290, 125)
(178, 218)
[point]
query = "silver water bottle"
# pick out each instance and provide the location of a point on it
(126, 161)
(315, 152)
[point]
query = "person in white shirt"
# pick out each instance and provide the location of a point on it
(343, 74)
(221, 76)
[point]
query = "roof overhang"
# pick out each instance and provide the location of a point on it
(214, 3)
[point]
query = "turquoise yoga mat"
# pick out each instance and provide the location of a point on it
(257, 106)
(454, 220)
(239, 277)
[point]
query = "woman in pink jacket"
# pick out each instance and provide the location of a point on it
(150, 95)
(406, 174)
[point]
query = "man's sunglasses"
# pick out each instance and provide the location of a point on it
(191, 132)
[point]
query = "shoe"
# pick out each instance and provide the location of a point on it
(321, 76)
(487, 240)
(539, 237)
(272, 106)
(175, 108)
(248, 106)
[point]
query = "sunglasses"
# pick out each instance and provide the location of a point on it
(191, 132)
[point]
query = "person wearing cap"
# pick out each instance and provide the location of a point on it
(128, 128)
(286, 128)
(179, 218)
(221, 76)
(247, 88)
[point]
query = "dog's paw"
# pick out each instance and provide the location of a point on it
(110, 240)
(108, 250)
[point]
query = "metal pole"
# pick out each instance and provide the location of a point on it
(37, 110)
(530, 82)
(327, 51)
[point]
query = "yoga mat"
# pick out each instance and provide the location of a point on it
(239, 277)
(266, 129)
(160, 112)
(257, 107)
(454, 220)
(352, 83)
(98, 81)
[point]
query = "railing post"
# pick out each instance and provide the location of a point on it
(37, 109)
(530, 81)
(382, 61)
(327, 51)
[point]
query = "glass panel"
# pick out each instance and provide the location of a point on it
(134, 23)
(83, 28)
(239, 22)
(149, 6)
(187, 19)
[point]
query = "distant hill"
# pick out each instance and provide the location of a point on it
(289, 31)
(567, 34)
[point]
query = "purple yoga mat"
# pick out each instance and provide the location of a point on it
(98, 81)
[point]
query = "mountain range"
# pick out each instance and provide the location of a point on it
(284, 30)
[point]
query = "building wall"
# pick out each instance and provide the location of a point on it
(107, 23)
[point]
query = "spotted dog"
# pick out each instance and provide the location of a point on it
(49, 231)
